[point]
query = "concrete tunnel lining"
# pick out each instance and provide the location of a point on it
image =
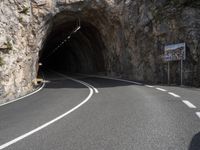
(83, 53)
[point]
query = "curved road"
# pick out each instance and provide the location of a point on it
(70, 114)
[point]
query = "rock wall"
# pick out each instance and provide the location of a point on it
(134, 33)
(16, 57)
(155, 24)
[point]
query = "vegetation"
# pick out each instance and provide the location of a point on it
(25, 10)
(8, 45)
(20, 19)
(1, 61)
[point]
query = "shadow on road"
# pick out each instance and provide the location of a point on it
(56, 81)
(195, 143)
(96, 82)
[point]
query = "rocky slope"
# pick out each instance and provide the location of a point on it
(134, 33)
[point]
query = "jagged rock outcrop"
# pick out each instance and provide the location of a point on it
(133, 34)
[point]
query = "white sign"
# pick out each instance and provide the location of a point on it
(175, 52)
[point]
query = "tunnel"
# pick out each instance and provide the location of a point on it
(74, 46)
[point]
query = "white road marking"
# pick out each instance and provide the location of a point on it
(95, 89)
(198, 114)
(52, 121)
(189, 104)
(63, 75)
(160, 89)
(123, 80)
(105, 77)
(20, 98)
(150, 86)
(173, 94)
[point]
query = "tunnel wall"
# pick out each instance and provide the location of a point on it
(81, 52)
(133, 32)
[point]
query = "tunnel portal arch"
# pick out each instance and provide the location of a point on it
(72, 49)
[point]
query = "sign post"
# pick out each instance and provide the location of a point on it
(181, 72)
(175, 52)
(168, 74)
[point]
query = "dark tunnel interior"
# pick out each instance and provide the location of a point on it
(80, 51)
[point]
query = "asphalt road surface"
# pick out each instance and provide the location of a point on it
(93, 113)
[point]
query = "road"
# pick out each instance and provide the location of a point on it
(111, 114)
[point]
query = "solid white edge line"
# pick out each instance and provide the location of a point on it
(189, 104)
(198, 114)
(34, 92)
(173, 94)
(160, 89)
(52, 121)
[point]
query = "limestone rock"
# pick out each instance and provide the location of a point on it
(40, 2)
(133, 34)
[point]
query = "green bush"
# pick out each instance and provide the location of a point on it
(8, 45)
(25, 10)
(20, 19)
(1, 61)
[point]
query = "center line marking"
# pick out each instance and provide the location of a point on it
(52, 121)
(198, 114)
(150, 86)
(160, 89)
(173, 94)
(111, 78)
(63, 75)
(189, 104)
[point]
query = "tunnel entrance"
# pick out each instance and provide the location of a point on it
(73, 46)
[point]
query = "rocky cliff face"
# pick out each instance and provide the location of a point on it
(155, 24)
(130, 34)
(16, 57)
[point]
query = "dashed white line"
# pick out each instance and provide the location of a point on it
(198, 114)
(189, 104)
(173, 94)
(150, 86)
(52, 121)
(160, 89)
